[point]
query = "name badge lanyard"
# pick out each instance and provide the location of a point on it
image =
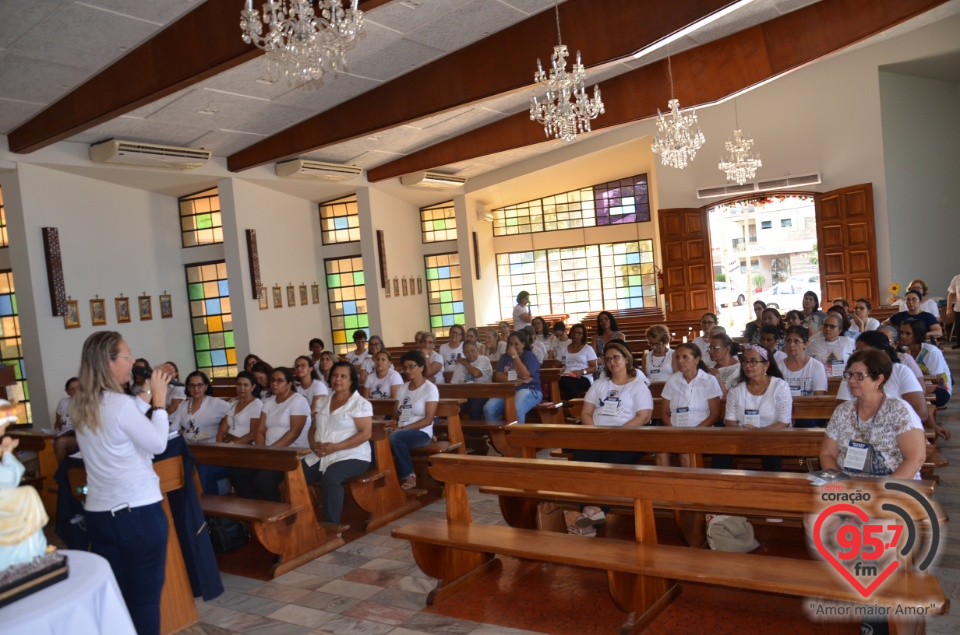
(683, 412)
(655, 368)
(751, 416)
(860, 453)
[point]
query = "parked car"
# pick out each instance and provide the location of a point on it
(787, 295)
(725, 292)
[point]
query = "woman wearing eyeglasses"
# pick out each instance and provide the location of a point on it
(691, 398)
(929, 358)
(239, 425)
(913, 311)
(760, 400)
(873, 435)
(658, 363)
(707, 322)
(416, 406)
(926, 304)
(829, 347)
(199, 415)
(804, 375)
(579, 364)
(618, 398)
(369, 365)
(433, 359)
(726, 367)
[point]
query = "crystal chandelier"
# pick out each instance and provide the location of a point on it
(740, 166)
(677, 139)
(302, 42)
(566, 109)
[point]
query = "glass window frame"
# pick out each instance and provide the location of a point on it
(189, 225)
(329, 234)
(212, 370)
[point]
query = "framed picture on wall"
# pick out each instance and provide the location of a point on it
(396, 287)
(145, 304)
(303, 295)
(166, 306)
(291, 296)
(277, 297)
(403, 283)
(71, 319)
(419, 285)
(315, 292)
(262, 296)
(123, 309)
(98, 312)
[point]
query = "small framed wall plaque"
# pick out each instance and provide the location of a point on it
(166, 306)
(262, 296)
(123, 309)
(277, 297)
(303, 295)
(71, 317)
(291, 296)
(145, 303)
(98, 312)
(315, 292)
(403, 283)
(396, 287)
(419, 285)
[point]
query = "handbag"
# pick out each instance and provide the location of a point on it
(227, 534)
(550, 517)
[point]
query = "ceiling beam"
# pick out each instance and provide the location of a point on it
(495, 65)
(185, 53)
(701, 75)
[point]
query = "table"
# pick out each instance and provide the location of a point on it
(87, 602)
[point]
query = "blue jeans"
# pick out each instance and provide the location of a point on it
(134, 542)
(401, 442)
(527, 399)
(332, 483)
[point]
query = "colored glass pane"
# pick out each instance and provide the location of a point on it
(346, 301)
(210, 317)
(339, 221)
(200, 219)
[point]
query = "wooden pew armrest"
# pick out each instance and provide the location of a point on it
(247, 509)
(369, 477)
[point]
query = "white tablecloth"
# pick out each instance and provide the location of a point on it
(86, 603)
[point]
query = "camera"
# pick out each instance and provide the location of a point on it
(142, 372)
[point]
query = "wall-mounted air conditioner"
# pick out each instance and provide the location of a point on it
(148, 154)
(306, 169)
(432, 180)
(786, 182)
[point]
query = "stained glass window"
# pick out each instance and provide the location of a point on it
(11, 347)
(4, 241)
(212, 319)
(444, 292)
(347, 298)
(200, 219)
(340, 221)
(438, 222)
(579, 279)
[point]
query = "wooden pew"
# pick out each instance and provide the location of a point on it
(644, 576)
(377, 491)
(42, 444)
(289, 528)
(486, 429)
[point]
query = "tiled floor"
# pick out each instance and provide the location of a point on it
(372, 586)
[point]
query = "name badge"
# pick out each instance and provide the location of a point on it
(654, 371)
(857, 455)
(795, 389)
(835, 369)
(751, 418)
(406, 415)
(511, 375)
(611, 407)
(681, 417)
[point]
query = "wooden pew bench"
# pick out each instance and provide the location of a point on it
(478, 428)
(290, 528)
(644, 576)
(42, 444)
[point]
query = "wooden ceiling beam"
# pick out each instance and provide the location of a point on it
(701, 75)
(495, 65)
(185, 53)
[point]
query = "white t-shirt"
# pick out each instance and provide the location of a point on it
(339, 426)
(435, 357)
(615, 405)
(539, 350)
(381, 388)
(119, 456)
(691, 398)
(954, 288)
(559, 349)
(356, 359)
(807, 380)
(203, 424)
(64, 412)
(931, 362)
(730, 375)
(174, 393)
(703, 343)
(580, 360)
(316, 389)
(518, 322)
(872, 324)
(482, 363)
(833, 355)
(278, 418)
(413, 404)
(927, 305)
(496, 355)
(450, 355)
(239, 422)
(658, 369)
(774, 406)
(901, 382)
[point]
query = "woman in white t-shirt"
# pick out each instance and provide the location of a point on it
(579, 365)
(829, 347)
(65, 443)
(659, 362)
(434, 369)
(522, 315)
(559, 342)
(472, 368)
(691, 397)
(239, 425)
(416, 406)
(452, 350)
(342, 425)
(804, 375)
(384, 382)
(929, 358)
(492, 344)
(198, 419)
(707, 322)
(309, 385)
(367, 366)
(861, 316)
(618, 398)
(726, 367)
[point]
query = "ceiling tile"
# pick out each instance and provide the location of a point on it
(743, 18)
(27, 79)
(457, 122)
(224, 142)
(138, 129)
(530, 7)
(14, 113)
(242, 80)
(473, 21)
(403, 17)
(786, 6)
(212, 110)
(159, 11)
(145, 111)
(83, 37)
(383, 54)
(17, 17)
(332, 90)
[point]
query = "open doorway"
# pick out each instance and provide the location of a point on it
(764, 248)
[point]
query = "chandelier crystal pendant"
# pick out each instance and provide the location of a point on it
(679, 137)
(565, 110)
(302, 43)
(740, 166)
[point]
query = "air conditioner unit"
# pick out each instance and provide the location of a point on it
(306, 169)
(798, 180)
(432, 180)
(148, 154)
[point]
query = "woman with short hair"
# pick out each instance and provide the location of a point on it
(913, 312)
(726, 367)
(926, 304)
(658, 363)
(385, 381)
(691, 397)
(521, 368)
(452, 350)
(521, 313)
(239, 425)
(829, 347)
(416, 406)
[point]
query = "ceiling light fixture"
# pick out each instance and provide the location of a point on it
(566, 109)
(741, 166)
(678, 139)
(301, 42)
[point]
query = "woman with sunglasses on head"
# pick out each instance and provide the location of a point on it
(829, 347)
(707, 322)
(929, 358)
(618, 398)
(761, 399)
(873, 434)
(384, 382)
(579, 364)
(521, 368)
(453, 349)
(416, 406)
(691, 397)
(239, 425)
(726, 367)
(659, 363)
(913, 312)
(861, 316)
(606, 332)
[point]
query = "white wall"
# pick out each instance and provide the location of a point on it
(921, 141)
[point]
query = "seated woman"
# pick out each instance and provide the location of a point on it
(452, 350)
(65, 443)
(416, 406)
(536, 345)
(659, 363)
(327, 360)
(804, 375)
(619, 398)
(606, 332)
(558, 342)
(198, 418)
(360, 353)
(769, 317)
(434, 361)
(540, 332)
(873, 435)
(283, 423)
(308, 382)
(494, 347)
(374, 346)
(760, 400)
(929, 358)
(472, 368)
(913, 312)
(175, 391)
(861, 316)
(903, 354)
(847, 328)
(926, 304)
(261, 372)
(794, 318)
(503, 329)
(707, 322)
(726, 366)
(316, 348)
(520, 367)
(249, 361)
(829, 347)
(579, 365)
(770, 337)
(812, 315)
(384, 382)
(752, 327)
(342, 425)
(691, 397)
(239, 425)
(473, 335)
